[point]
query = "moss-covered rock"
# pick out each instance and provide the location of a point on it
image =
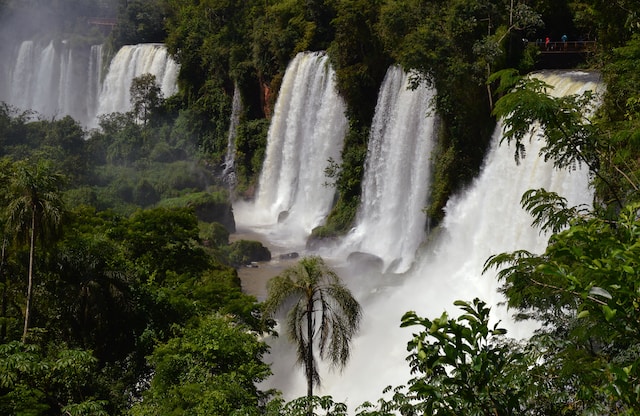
(244, 252)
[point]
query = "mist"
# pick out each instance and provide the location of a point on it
(28, 19)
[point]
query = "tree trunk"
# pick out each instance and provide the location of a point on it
(27, 309)
(310, 355)
(3, 315)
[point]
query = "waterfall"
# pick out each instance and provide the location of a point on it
(483, 220)
(94, 76)
(47, 72)
(397, 174)
(228, 171)
(34, 78)
(68, 99)
(45, 78)
(57, 79)
(21, 79)
(307, 129)
(132, 61)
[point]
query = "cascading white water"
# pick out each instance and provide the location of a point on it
(132, 61)
(47, 75)
(21, 79)
(57, 79)
(228, 172)
(94, 75)
(307, 129)
(397, 174)
(33, 78)
(483, 220)
(69, 98)
(47, 78)
(66, 98)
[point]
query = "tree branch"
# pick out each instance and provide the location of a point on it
(578, 294)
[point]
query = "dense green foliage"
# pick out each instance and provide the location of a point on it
(55, 380)
(462, 366)
(208, 369)
(583, 287)
(105, 268)
(139, 21)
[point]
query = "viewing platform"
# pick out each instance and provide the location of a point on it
(105, 23)
(559, 55)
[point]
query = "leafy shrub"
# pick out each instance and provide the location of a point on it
(208, 207)
(214, 234)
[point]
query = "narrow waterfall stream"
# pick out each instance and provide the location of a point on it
(229, 166)
(94, 83)
(482, 220)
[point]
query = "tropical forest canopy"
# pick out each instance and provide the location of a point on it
(118, 285)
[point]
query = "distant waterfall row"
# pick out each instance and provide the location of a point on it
(56, 79)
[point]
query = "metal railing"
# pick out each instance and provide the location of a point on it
(102, 21)
(570, 46)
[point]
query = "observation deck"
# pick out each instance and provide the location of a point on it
(105, 23)
(564, 54)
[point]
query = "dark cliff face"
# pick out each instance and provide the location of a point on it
(561, 60)
(266, 99)
(220, 212)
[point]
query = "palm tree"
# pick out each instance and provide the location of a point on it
(322, 310)
(34, 209)
(98, 295)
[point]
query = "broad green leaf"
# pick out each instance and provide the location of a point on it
(609, 313)
(583, 314)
